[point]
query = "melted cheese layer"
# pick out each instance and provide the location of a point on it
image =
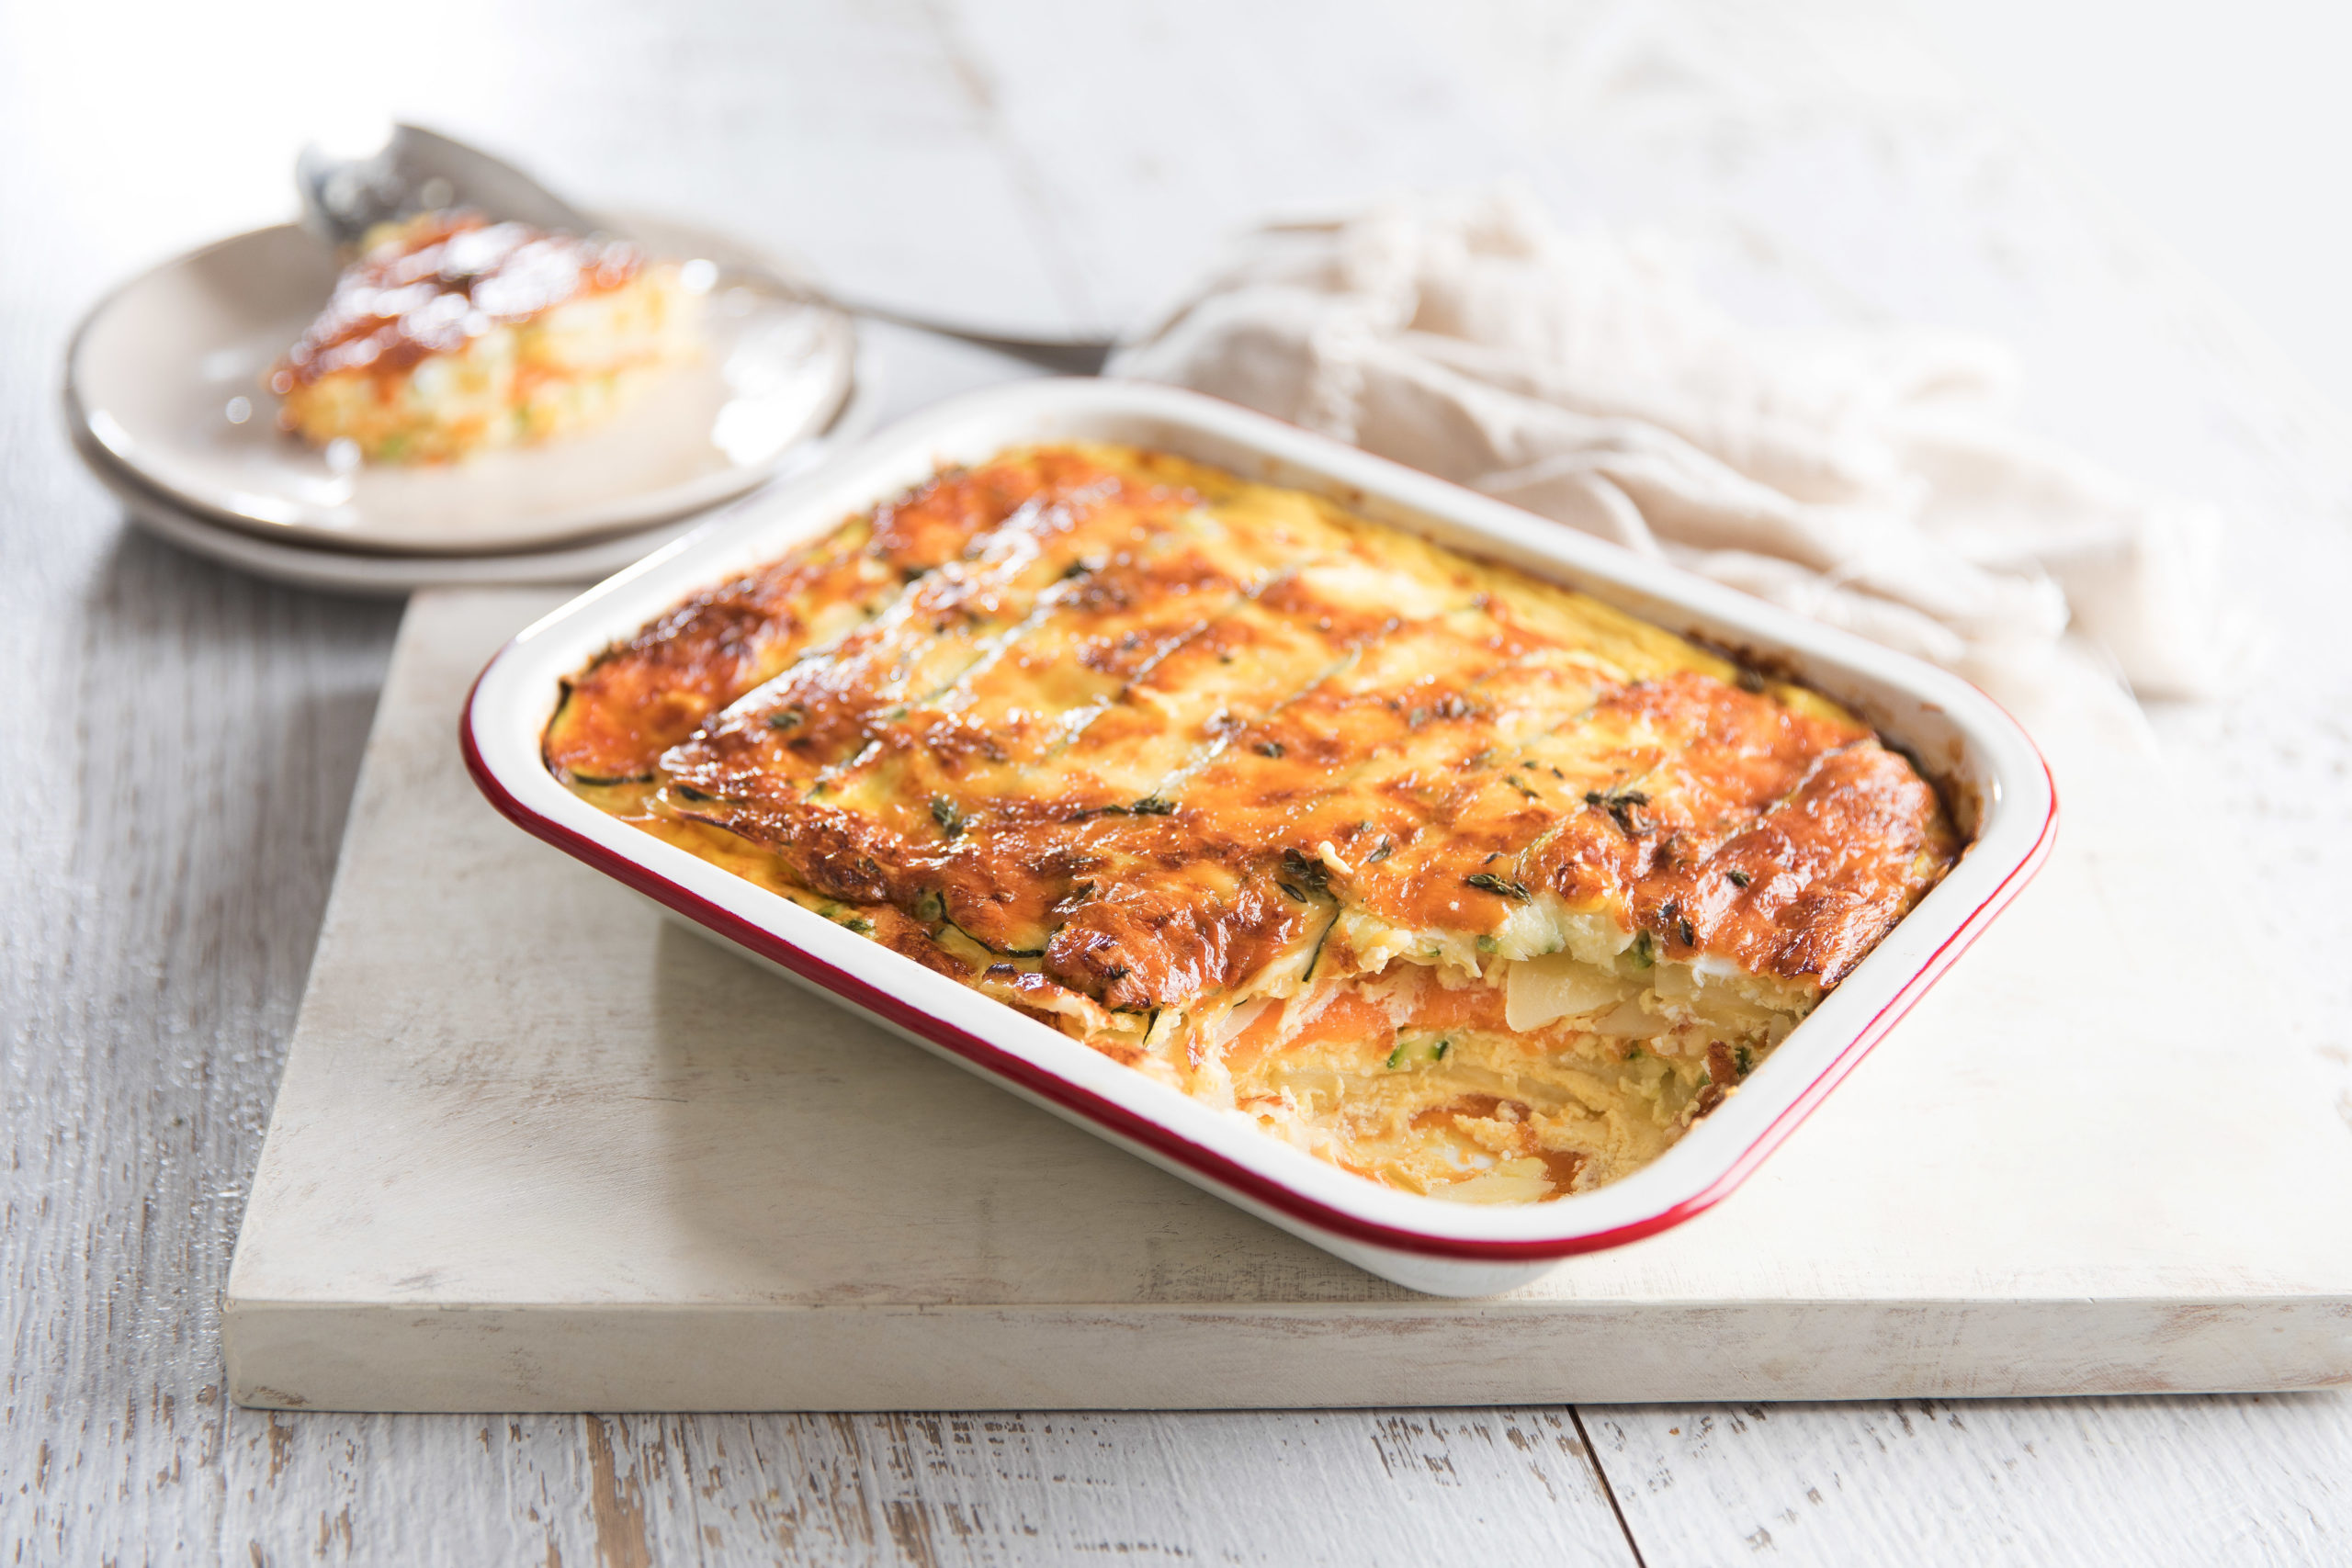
(1463, 879)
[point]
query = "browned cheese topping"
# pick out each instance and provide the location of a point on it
(443, 279)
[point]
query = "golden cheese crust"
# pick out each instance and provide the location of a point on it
(1130, 743)
(452, 334)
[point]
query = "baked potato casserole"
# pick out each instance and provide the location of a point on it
(451, 334)
(1462, 880)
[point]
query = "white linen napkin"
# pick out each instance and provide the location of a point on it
(1871, 481)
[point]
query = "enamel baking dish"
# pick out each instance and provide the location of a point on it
(1999, 790)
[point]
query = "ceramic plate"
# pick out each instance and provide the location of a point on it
(165, 378)
(390, 575)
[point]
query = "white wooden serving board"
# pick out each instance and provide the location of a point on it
(537, 1148)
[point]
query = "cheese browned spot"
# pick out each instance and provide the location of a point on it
(1462, 880)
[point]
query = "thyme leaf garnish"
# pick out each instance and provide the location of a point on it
(944, 812)
(1487, 881)
(1620, 804)
(1306, 871)
(1149, 805)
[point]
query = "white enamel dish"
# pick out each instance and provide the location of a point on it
(1990, 770)
(164, 377)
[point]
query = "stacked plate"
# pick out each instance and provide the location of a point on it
(164, 401)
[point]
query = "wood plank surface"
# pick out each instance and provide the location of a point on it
(2248, 1479)
(183, 741)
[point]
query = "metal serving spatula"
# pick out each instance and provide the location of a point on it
(416, 170)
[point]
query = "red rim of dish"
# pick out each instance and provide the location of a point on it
(1215, 1167)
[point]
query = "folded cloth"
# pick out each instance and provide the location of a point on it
(1871, 481)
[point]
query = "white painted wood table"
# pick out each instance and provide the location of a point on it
(182, 743)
